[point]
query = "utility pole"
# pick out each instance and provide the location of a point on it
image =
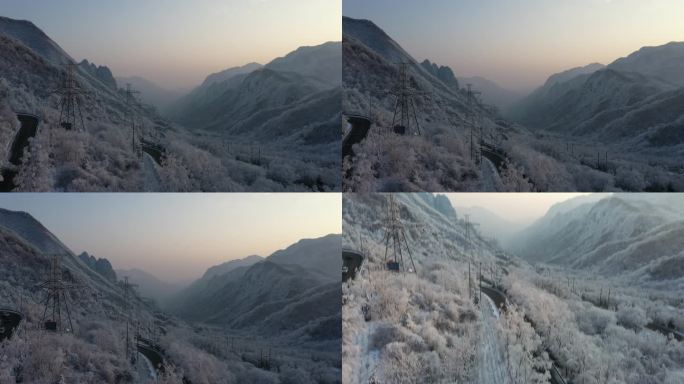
(471, 100)
(130, 103)
(127, 291)
(480, 299)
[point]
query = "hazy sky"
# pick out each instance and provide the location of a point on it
(519, 43)
(177, 43)
(523, 208)
(178, 236)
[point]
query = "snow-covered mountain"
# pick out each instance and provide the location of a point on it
(99, 265)
(633, 100)
(228, 266)
(434, 145)
(95, 347)
(287, 98)
(442, 72)
(641, 236)
(569, 74)
(35, 39)
(434, 229)
(293, 290)
(227, 74)
(665, 62)
(31, 70)
(245, 142)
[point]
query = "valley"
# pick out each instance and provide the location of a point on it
(74, 318)
(594, 128)
(253, 128)
(571, 298)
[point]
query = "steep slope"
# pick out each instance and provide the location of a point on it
(229, 73)
(322, 62)
(295, 289)
(665, 62)
(35, 39)
(44, 245)
(32, 69)
(290, 105)
(100, 72)
(646, 244)
(228, 266)
(213, 87)
(432, 152)
(603, 95)
(632, 100)
(443, 73)
(569, 74)
(99, 265)
(390, 318)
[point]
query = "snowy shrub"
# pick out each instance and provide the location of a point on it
(594, 321)
(631, 317)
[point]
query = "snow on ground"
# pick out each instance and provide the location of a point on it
(490, 177)
(370, 358)
(492, 369)
(146, 371)
(151, 177)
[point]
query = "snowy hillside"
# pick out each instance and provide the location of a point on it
(420, 327)
(259, 295)
(26, 32)
(665, 62)
(646, 246)
(632, 106)
(228, 266)
(434, 153)
(555, 324)
(94, 350)
(289, 107)
(262, 153)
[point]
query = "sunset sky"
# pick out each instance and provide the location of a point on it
(177, 43)
(178, 236)
(519, 43)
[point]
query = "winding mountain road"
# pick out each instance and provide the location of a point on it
(492, 367)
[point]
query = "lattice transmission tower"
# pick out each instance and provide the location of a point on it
(55, 302)
(405, 107)
(71, 93)
(396, 244)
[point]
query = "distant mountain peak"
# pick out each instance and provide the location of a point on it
(226, 74)
(101, 72)
(564, 76)
(230, 265)
(444, 73)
